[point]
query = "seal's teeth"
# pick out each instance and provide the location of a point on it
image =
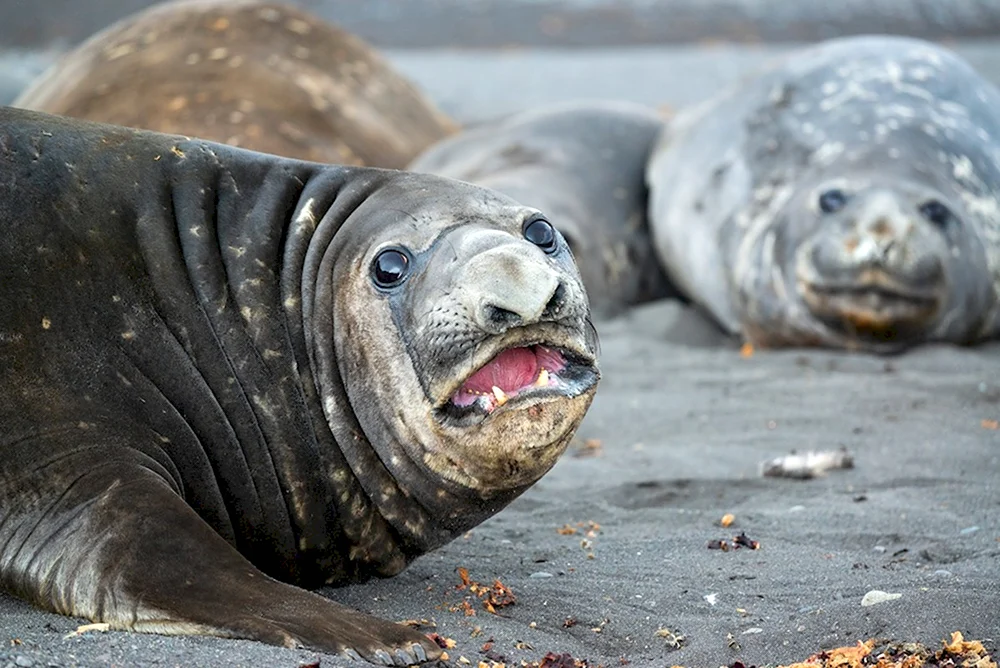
(499, 394)
(543, 378)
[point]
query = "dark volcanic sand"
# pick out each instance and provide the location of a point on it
(684, 421)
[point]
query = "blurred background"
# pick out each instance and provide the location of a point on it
(480, 59)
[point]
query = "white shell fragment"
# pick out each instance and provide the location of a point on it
(86, 628)
(811, 464)
(876, 596)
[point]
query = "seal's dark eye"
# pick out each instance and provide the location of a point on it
(832, 201)
(390, 268)
(936, 212)
(541, 233)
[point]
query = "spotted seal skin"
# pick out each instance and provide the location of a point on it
(268, 77)
(581, 162)
(846, 197)
(224, 374)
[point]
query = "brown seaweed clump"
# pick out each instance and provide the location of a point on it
(959, 653)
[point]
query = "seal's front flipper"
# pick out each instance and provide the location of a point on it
(97, 536)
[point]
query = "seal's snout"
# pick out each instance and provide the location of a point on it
(876, 266)
(507, 288)
(881, 231)
(882, 238)
(527, 315)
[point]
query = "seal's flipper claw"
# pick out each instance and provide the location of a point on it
(393, 644)
(384, 657)
(351, 654)
(419, 652)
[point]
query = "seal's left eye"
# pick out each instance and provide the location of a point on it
(390, 268)
(832, 201)
(936, 212)
(541, 233)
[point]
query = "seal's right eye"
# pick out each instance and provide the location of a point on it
(831, 201)
(390, 267)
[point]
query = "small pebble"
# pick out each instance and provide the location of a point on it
(876, 596)
(712, 598)
(879, 548)
(968, 530)
(23, 661)
(941, 573)
(753, 630)
(540, 574)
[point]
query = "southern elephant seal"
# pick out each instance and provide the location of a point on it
(264, 76)
(222, 372)
(845, 197)
(582, 163)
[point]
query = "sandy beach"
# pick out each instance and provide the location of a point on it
(676, 436)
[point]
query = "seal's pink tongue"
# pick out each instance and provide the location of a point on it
(510, 371)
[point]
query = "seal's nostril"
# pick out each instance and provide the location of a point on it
(500, 318)
(881, 228)
(557, 301)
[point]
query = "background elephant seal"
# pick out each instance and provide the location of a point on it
(582, 163)
(263, 76)
(214, 361)
(847, 197)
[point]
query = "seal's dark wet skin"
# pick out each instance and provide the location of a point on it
(206, 399)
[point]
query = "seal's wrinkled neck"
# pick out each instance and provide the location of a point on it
(366, 503)
(255, 235)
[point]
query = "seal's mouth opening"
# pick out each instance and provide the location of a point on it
(518, 376)
(876, 312)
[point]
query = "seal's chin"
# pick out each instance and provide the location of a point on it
(872, 310)
(519, 377)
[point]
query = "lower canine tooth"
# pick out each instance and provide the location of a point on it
(543, 379)
(499, 394)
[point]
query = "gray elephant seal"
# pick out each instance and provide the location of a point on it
(846, 197)
(582, 163)
(264, 76)
(224, 373)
